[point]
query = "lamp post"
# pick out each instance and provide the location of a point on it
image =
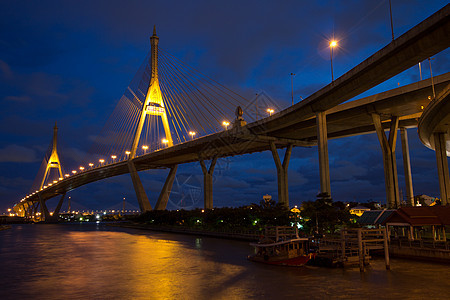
(333, 44)
(145, 147)
(101, 161)
(226, 123)
(292, 87)
(192, 133)
(165, 142)
(127, 153)
(91, 165)
(113, 158)
(270, 111)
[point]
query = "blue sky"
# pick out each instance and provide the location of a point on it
(71, 61)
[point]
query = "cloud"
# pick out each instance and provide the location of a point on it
(15, 153)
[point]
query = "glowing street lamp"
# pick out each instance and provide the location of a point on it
(101, 161)
(165, 142)
(192, 133)
(145, 147)
(226, 123)
(66, 175)
(270, 111)
(113, 158)
(74, 172)
(91, 165)
(127, 153)
(333, 44)
(81, 168)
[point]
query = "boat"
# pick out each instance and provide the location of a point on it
(281, 245)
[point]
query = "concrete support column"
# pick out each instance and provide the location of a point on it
(208, 182)
(144, 204)
(44, 209)
(390, 165)
(322, 143)
(163, 198)
(407, 167)
(442, 166)
(58, 207)
(282, 173)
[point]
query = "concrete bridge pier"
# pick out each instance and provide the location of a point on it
(44, 209)
(163, 198)
(390, 166)
(322, 143)
(142, 198)
(282, 173)
(208, 182)
(407, 167)
(58, 207)
(442, 166)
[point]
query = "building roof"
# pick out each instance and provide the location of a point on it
(420, 215)
(360, 207)
(374, 217)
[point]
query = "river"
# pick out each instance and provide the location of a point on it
(95, 261)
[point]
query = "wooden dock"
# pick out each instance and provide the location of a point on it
(353, 247)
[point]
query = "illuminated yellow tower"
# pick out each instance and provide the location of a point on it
(153, 104)
(53, 162)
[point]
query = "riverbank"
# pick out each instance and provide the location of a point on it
(243, 235)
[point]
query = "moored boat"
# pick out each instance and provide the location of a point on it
(281, 245)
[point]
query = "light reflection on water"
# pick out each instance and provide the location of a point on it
(96, 261)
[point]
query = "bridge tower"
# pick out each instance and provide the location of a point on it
(153, 104)
(53, 162)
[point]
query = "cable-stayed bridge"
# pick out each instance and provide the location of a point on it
(171, 115)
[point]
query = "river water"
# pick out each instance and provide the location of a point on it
(95, 261)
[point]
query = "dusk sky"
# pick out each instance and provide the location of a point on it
(71, 61)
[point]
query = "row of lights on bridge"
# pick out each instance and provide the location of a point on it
(270, 111)
(225, 124)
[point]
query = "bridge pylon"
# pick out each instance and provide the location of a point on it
(153, 106)
(53, 161)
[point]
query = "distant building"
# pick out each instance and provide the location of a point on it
(358, 210)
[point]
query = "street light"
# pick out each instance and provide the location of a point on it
(74, 171)
(101, 161)
(270, 111)
(192, 133)
(226, 123)
(333, 44)
(127, 153)
(165, 141)
(81, 168)
(91, 165)
(145, 147)
(113, 158)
